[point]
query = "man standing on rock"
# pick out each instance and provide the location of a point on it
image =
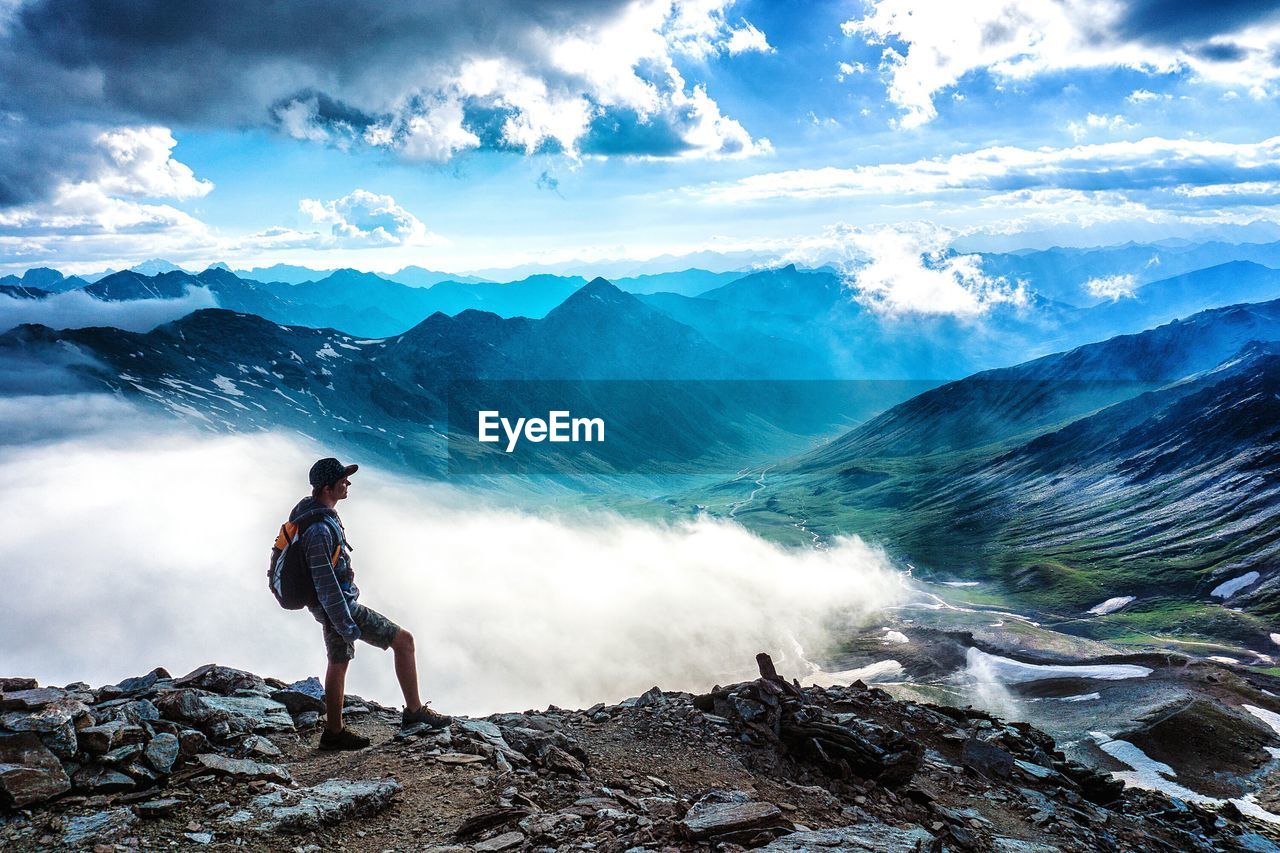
(343, 619)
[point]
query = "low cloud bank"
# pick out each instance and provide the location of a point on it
(126, 555)
(76, 309)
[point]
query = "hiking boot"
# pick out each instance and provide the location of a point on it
(426, 716)
(345, 739)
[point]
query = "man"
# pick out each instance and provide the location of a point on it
(343, 619)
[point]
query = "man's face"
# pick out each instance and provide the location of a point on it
(338, 490)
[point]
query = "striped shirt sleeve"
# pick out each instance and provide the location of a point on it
(320, 545)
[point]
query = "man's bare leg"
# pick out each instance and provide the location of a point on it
(407, 669)
(335, 685)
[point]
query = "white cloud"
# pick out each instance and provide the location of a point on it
(139, 162)
(1142, 96)
(510, 609)
(1153, 161)
(1016, 39)
(362, 218)
(909, 271)
(1113, 287)
(76, 309)
(746, 39)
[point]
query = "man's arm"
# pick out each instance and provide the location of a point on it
(320, 544)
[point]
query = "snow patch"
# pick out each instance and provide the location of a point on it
(1015, 671)
(327, 351)
(1222, 659)
(1111, 605)
(894, 637)
(1083, 697)
(882, 670)
(1271, 718)
(1231, 587)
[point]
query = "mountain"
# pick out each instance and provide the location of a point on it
(419, 277)
(400, 397)
(287, 273)
(690, 282)
(1142, 465)
(156, 266)
(43, 279)
(1062, 273)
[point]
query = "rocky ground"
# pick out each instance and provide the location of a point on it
(221, 757)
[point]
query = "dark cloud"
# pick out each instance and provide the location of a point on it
(1221, 52)
(342, 72)
(1176, 22)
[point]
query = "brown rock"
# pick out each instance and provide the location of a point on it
(29, 772)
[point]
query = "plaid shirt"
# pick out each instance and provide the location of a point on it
(336, 587)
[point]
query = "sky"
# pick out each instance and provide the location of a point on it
(462, 136)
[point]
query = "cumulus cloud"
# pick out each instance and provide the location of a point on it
(909, 271)
(423, 80)
(76, 309)
(1113, 287)
(362, 218)
(510, 609)
(929, 47)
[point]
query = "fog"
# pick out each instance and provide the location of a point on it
(148, 546)
(76, 309)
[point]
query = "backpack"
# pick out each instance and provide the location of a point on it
(288, 575)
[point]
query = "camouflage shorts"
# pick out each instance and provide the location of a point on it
(375, 629)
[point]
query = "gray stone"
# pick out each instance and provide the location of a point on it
(29, 772)
(222, 680)
(97, 740)
(54, 722)
(243, 769)
(31, 700)
(302, 696)
(709, 819)
(1003, 844)
(192, 742)
(306, 809)
(552, 826)
(307, 719)
(98, 827)
(96, 779)
(189, 706)
(122, 754)
(262, 747)
(162, 752)
(252, 713)
(199, 837)
(987, 759)
(505, 841)
(1035, 770)
(157, 808)
(143, 683)
(139, 711)
(868, 837)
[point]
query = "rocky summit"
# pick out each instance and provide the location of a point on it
(222, 757)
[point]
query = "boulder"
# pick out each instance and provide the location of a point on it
(505, 841)
(988, 759)
(710, 819)
(103, 738)
(222, 680)
(10, 684)
(863, 838)
(243, 769)
(252, 713)
(32, 699)
(29, 772)
(308, 809)
(55, 723)
(302, 696)
(102, 826)
(143, 683)
(189, 706)
(97, 779)
(157, 808)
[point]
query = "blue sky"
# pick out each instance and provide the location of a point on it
(463, 137)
